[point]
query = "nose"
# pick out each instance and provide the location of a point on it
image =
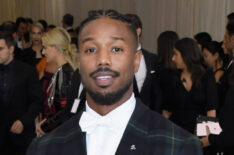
(173, 58)
(43, 51)
(104, 58)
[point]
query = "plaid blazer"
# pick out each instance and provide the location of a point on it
(147, 133)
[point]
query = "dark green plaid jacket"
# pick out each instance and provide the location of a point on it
(147, 133)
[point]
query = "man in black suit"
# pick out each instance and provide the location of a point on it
(67, 25)
(22, 26)
(113, 120)
(146, 85)
(20, 100)
(12, 28)
(228, 48)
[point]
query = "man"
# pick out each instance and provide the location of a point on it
(113, 121)
(22, 26)
(224, 141)
(146, 79)
(67, 25)
(228, 46)
(20, 99)
(12, 28)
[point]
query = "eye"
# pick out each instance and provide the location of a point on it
(90, 50)
(117, 49)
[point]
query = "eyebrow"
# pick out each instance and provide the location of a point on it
(113, 38)
(117, 38)
(87, 39)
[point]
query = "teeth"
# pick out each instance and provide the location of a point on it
(103, 77)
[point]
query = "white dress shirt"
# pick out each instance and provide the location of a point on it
(141, 74)
(105, 138)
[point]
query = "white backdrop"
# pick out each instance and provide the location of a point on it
(186, 17)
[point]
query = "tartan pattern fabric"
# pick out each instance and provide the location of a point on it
(147, 133)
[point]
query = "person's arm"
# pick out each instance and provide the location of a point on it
(225, 138)
(34, 97)
(211, 95)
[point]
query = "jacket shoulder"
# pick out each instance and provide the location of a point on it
(162, 134)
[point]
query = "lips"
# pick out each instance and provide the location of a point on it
(104, 79)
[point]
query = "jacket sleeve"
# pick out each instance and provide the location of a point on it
(225, 138)
(34, 98)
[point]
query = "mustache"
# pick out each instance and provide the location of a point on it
(104, 69)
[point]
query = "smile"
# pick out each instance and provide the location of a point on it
(103, 77)
(104, 80)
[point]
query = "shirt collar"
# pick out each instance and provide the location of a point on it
(120, 115)
(69, 28)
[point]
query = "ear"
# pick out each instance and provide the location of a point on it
(138, 30)
(232, 38)
(11, 49)
(137, 60)
(216, 55)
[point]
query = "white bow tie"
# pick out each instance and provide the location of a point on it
(89, 123)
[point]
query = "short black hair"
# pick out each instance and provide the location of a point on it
(9, 26)
(43, 23)
(136, 19)
(20, 20)
(230, 28)
(112, 14)
(230, 17)
(29, 20)
(7, 36)
(68, 19)
(26, 37)
(51, 26)
(202, 38)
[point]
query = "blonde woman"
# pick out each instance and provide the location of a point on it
(33, 54)
(57, 49)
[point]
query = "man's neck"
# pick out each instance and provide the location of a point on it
(9, 61)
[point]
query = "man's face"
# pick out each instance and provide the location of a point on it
(107, 60)
(22, 29)
(228, 41)
(6, 54)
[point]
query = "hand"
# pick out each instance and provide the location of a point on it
(39, 131)
(205, 140)
(17, 127)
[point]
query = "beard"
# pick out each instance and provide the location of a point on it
(109, 98)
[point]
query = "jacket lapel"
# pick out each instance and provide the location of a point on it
(132, 142)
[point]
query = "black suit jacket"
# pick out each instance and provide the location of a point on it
(25, 102)
(225, 140)
(149, 132)
(150, 93)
